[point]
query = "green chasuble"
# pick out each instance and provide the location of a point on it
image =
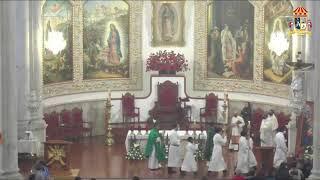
(209, 143)
(152, 140)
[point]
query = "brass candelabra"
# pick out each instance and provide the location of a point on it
(109, 136)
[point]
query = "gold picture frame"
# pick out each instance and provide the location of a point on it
(78, 84)
(257, 85)
(168, 23)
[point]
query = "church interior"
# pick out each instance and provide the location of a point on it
(163, 89)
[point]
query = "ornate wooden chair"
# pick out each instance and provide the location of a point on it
(129, 111)
(168, 107)
(209, 112)
(257, 117)
(82, 127)
(53, 129)
(67, 124)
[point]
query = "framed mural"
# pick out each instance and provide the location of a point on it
(168, 23)
(57, 42)
(278, 42)
(106, 39)
(230, 39)
(229, 48)
(102, 47)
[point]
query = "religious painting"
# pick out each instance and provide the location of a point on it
(106, 40)
(230, 40)
(168, 23)
(57, 42)
(278, 43)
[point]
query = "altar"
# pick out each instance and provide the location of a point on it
(141, 138)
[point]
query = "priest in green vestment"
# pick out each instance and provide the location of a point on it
(209, 143)
(155, 150)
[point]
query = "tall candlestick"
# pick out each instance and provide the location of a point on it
(109, 94)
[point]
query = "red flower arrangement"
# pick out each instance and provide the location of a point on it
(166, 61)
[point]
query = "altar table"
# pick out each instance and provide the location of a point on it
(142, 138)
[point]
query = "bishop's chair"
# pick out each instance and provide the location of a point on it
(129, 111)
(209, 112)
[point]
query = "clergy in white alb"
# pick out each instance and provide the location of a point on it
(252, 158)
(275, 123)
(174, 159)
(237, 124)
(189, 163)
(280, 155)
(245, 161)
(266, 132)
(217, 162)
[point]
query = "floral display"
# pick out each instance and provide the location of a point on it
(167, 61)
(135, 153)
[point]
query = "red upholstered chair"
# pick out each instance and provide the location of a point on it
(257, 117)
(283, 120)
(53, 129)
(210, 109)
(129, 111)
(67, 124)
(81, 127)
(168, 108)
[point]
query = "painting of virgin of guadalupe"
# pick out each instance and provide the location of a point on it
(168, 23)
(230, 40)
(168, 27)
(106, 39)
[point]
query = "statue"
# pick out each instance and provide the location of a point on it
(297, 86)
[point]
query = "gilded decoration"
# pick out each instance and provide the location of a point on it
(78, 84)
(256, 85)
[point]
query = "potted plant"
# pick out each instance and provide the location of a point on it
(167, 62)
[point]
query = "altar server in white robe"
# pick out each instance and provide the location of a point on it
(266, 132)
(174, 160)
(275, 123)
(246, 159)
(252, 159)
(189, 163)
(217, 162)
(237, 124)
(280, 155)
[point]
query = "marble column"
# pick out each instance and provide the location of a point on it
(8, 120)
(292, 133)
(314, 56)
(37, 124)
(23, 66)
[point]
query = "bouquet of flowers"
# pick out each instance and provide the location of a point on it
(166, 61)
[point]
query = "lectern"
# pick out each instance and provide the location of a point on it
(57, 155)
(265, 158)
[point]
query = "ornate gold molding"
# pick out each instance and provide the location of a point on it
(257, 85)
(79, 85)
